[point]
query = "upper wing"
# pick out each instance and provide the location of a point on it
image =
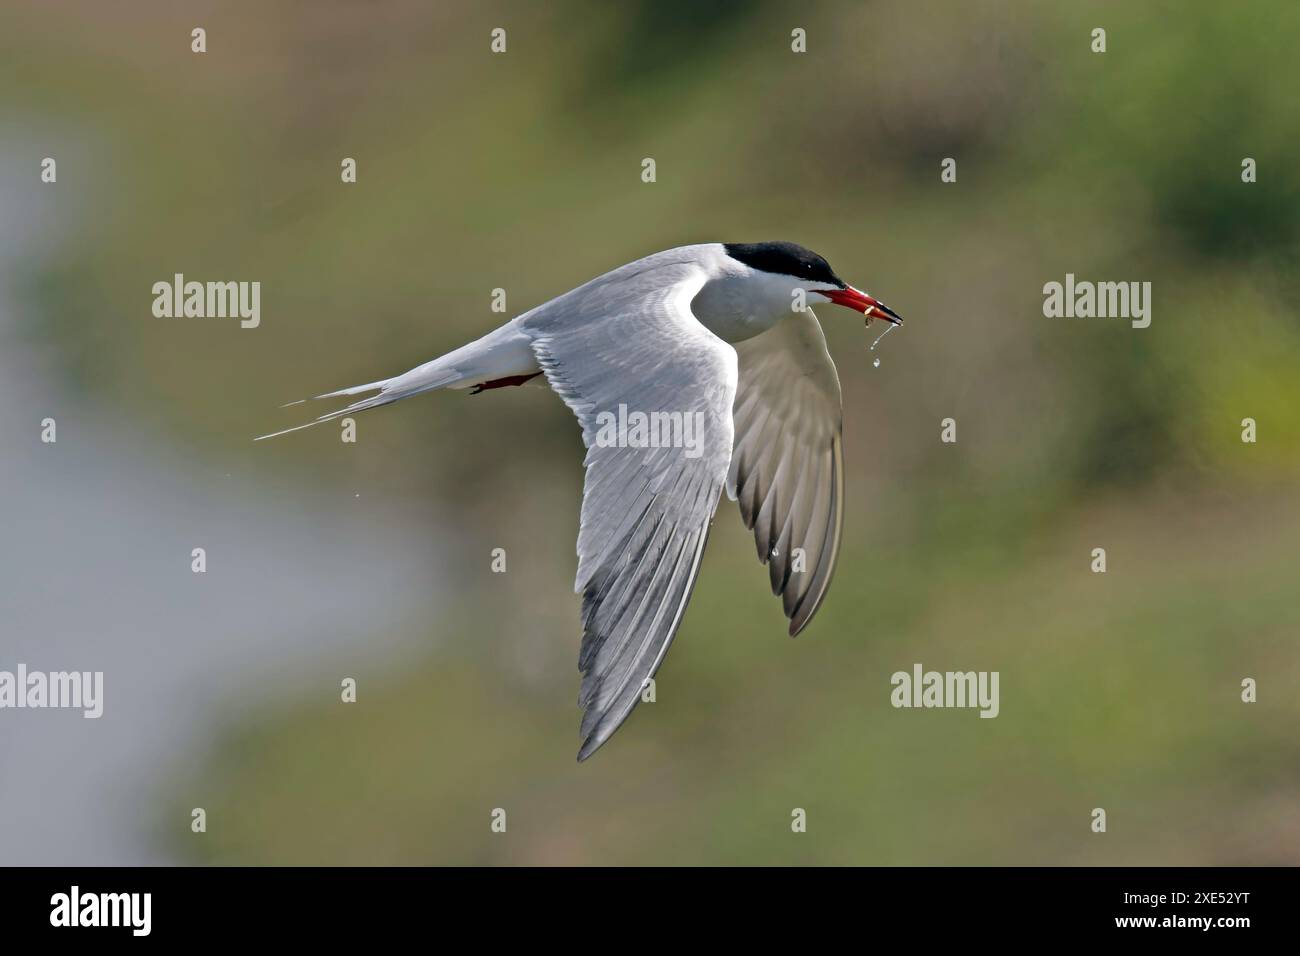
(633, 346)
(787, 469)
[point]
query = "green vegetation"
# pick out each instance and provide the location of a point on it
(522, 171)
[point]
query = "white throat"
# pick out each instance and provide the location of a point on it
(744, 302)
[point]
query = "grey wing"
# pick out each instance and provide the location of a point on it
(787, 467)
(645, 510)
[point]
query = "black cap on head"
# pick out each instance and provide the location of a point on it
(784, 258)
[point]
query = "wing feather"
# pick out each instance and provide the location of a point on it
(787, 468)
(629, 339)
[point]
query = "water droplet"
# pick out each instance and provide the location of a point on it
(876, 362)
(888, 329)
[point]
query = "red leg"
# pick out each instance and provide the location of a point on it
(503, 382)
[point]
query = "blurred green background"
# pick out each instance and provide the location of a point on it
(522, 171)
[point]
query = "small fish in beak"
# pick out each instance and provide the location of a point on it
(859, 301)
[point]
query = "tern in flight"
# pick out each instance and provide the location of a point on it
(716, 332)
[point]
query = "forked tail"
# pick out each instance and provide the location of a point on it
(390, 390)
(500, 355)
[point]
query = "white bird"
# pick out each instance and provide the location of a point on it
(714, 331)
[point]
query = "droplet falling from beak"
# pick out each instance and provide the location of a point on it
(888, 328)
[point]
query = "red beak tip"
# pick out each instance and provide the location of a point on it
(859, 301)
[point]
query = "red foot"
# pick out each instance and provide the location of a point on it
(503, 382)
